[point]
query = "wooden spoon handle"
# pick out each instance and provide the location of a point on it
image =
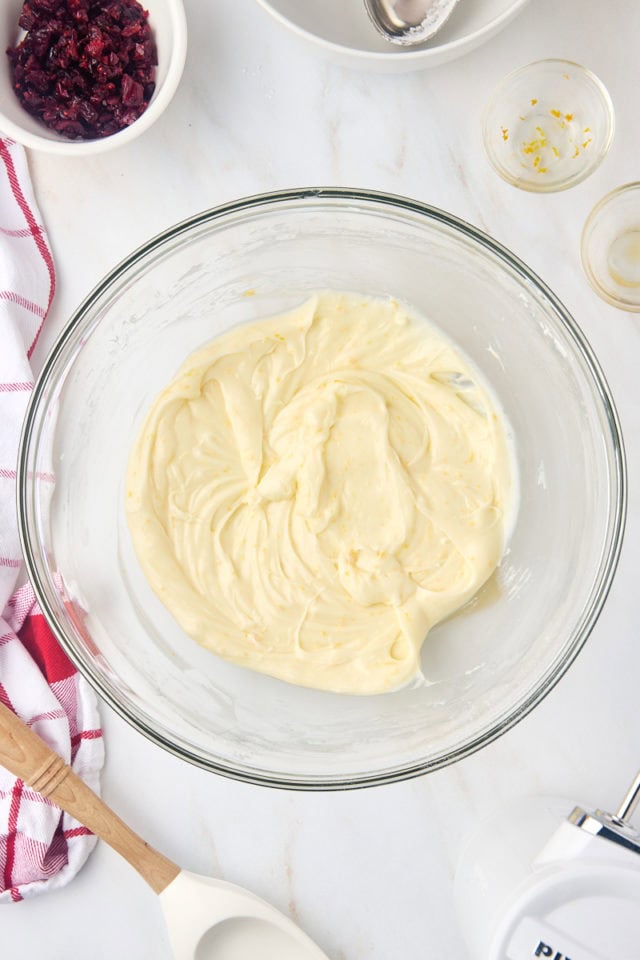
(27, 756)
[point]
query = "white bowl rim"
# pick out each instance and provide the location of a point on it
(399, 54)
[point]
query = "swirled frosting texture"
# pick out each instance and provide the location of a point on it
(313, 492)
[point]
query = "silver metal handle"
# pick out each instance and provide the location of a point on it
(612, 826)
(630, 802)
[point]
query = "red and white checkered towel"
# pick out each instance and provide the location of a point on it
(40, 847)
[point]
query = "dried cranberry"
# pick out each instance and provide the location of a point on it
(132, 91)
(45, 6)
(95, 44)
(85, 68)
(27, 17)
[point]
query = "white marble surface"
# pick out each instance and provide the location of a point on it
(368, 874)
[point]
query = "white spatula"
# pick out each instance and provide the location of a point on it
(207, 919)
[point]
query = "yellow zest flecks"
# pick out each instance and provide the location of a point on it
(558, 138)
(533, 147)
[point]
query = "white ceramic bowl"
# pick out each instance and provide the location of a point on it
(168, 22)
(344, 32)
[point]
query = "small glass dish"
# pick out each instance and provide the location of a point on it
(548, 125)
(610, 247)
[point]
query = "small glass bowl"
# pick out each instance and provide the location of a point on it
(548, 125)
(611, 248)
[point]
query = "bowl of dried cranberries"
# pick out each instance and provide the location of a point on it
(84, 76)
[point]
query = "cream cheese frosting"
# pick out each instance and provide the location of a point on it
(314, 491)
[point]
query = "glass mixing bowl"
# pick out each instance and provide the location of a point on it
(488, 666)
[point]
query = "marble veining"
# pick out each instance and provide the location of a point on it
(368, 874)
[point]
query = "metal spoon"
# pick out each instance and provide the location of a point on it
(206, 918)
(409, 22)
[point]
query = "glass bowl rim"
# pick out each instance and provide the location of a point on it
(288, 199)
